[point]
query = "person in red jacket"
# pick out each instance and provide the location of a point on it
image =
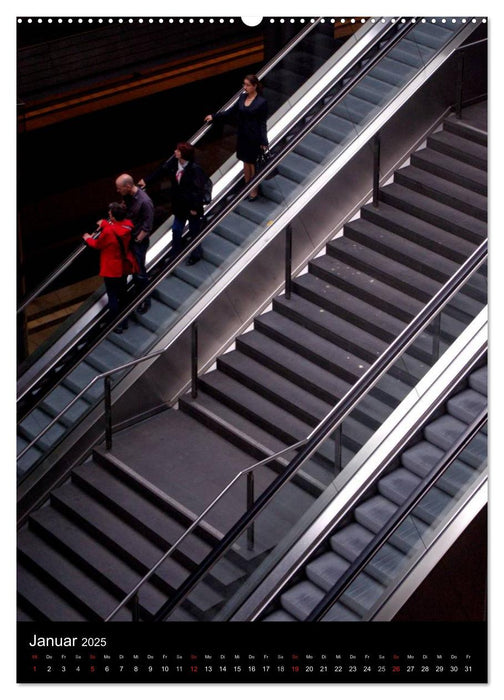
(116, 259)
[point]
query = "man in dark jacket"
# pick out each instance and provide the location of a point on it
(140, 209)
(187, 191)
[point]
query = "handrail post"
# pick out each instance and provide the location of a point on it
(108, 411)
(135, 609)
(460, 84)
(436, 338)
(288, 261)
(250, 503)
(338, 448)
(194, 359)
(376, 169)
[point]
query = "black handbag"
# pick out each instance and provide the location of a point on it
(262, 161)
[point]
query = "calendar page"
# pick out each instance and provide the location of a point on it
(252, 287)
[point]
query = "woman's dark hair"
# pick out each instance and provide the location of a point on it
(186, 150)
(117, 211)
(254, 80)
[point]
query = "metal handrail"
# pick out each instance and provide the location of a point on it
(254, 182)
(397, 519)
(316, 436)
(197, 136)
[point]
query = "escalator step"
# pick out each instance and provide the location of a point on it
(445, 431)
(107, 356)
(217, 249)
(398, 485)
(374, 513)
(58, 399)
(279, 616)
(300, 600)
(372, 90)
(296, 167)
(423, 457)
(34, 423)
(393, 72)
(236, 228)
(479, 380)
(335, 129)
(316, 148)
(361, 594)
(174, 292)
(467, 405)
(80, 378)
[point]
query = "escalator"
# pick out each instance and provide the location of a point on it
(110, 521)
(311, 53)
(236, 237)
(369, 590)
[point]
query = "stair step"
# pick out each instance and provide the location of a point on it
(156, 524)
(273, 387)
(354, 309)
(249, 437)
(40, 598)
(444, 191)
(460, 148)
(93, 557)
(394, 247)
(452, 220)
(367, 287)
(414, 229)
(399, 278)
(78, 588)
(270, 417)
(313, 346)
(451, 169)
(466, 130)
(99, 521)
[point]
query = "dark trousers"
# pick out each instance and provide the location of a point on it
(139, 250)
(116, 292)
(177, 229)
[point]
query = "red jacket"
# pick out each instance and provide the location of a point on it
(111, 257)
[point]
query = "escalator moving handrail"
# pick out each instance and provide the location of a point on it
(192, 140)
(276, 158)
(396, 520)
(345, 406)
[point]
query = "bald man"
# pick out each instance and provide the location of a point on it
(140, 209)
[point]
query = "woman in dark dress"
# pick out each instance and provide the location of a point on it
(251, 111)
